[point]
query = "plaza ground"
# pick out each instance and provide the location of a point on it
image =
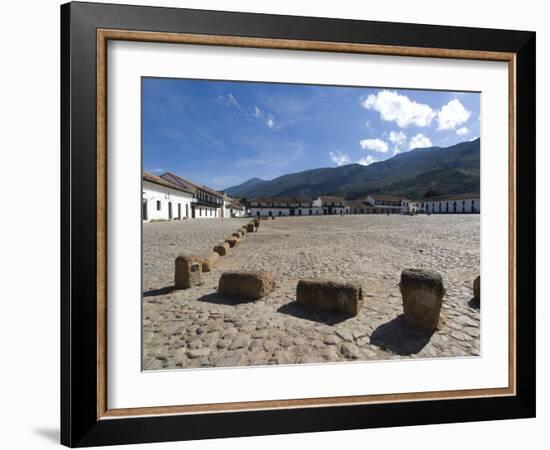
(198, 327)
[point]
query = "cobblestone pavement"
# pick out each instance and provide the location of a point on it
(198, 327)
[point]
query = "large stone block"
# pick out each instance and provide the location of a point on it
(250, 227)
(422, 292)
(221, 248)
(252, 284)
(187, 271)
(210, 261)
(232, 241)
(477, 285)
(330, 295)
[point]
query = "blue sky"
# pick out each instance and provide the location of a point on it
(223, 133)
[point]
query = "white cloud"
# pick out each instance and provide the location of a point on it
(474, 138)
(339, 158)
(257, 112)
(394, 107)
(452, 115)
(367, 160)
(398, 138)
(377, 145)
(462, 131)
(419, 141)
(270, 122)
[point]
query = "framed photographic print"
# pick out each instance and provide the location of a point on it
(276, 224)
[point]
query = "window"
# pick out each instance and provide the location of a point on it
(280, 213)
(158, 205)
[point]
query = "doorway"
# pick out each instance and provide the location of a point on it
(144, 215)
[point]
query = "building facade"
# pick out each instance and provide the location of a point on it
(386, 204)
(358, 207)
(162, 200)
(283, 206)
(208, 202)
(330, 205)
(451, 204)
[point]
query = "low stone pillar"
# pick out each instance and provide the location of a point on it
(250, 227)
(237, 235)
(257, 222)
(422, 292)
(210, 261)
(335, 296)
(251, 284)
(477, 285)
(221, 248)
(188, 271)
(232, 241)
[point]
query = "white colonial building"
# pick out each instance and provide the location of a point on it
(358, 207)
(451, 204)
(162, 200)
(331, 205)
(283, 206)
(387, 204)
(208, 202)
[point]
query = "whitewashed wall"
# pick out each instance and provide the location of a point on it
(154, 193)
(207, 212)
(279, 212)
(433, 207)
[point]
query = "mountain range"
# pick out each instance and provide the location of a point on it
(418, 173)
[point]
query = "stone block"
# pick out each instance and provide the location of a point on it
(210, 261)
(329, 295)
(477, 285)
(422, 292)
(250, 227)
(187, 271)
(232, 241)
(221, 248)
(251, 284)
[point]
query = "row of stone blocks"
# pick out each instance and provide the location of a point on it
(188, 268)
(422, 293)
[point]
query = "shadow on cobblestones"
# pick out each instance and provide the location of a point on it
(399, 337)
(223, 299)
(328, 318)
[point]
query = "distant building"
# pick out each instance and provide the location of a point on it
(232, 207)
(283, 206)
(451, 204)
(358, 207)
(330, 205)
(208, 202)
(387, 204)
(162, 200)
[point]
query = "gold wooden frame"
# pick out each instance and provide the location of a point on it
(104, 35)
